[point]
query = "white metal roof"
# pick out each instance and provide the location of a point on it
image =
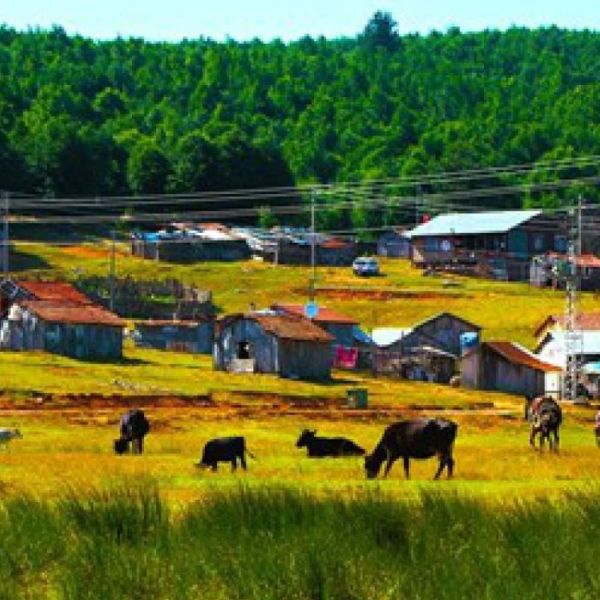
(473, 223)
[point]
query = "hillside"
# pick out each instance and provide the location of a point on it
(81, 117)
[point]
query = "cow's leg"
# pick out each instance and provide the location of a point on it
(213, 467)
(233, 464)
(388, 466)
(141, 445)
(556, 440)
(450, 466)
(440, 468)
(534, 432)
(406, 463)
(243, 462)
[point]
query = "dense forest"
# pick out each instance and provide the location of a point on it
(84, 117)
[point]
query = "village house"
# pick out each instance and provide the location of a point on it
(190, 242)
(331, 252)
(495, 244)
(552, 269)
(195, 337)
(269, 342)
(428, 351)
(352, 347)
(394, 244)
(509, 367)
(56, 318)
(588, 321)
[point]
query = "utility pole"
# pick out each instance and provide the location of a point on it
(313, 279)
(111, 277)
(418, 204)
(5, 234)
(573, 337)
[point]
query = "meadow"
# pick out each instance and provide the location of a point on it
(78, 522)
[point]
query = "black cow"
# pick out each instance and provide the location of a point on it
(133, 427)
(319, 447)
(545, 416)
(227, 449)
(415, 438)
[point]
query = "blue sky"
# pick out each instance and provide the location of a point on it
(268, 19)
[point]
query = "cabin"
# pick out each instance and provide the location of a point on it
(330, 252)
(195, 337)
(268, 342)
(494, 244)
(551, 270)
(189, 242)
(587, 321)
(553, 347)
(509, 367)
(442, 331)
(341, 327)
(55, 317)
(394, 244)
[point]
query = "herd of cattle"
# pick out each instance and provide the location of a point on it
(417, 438)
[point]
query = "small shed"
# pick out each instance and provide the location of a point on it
(442, 331)
(82, 331)
(509, 367)
(268, 342)
(551, 270)
(341, 327)
(180, 336)
(394, 244)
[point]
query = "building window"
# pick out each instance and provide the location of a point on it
(560, 243)
(538, 242)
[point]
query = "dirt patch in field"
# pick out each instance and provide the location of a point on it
(382, 295)
(86, 252)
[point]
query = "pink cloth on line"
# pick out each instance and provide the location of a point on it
(346, 358)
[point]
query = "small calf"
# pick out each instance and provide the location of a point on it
(320, 447)
(6, 435)
(228, 449)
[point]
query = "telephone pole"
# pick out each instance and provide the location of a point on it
(573, 337)
(5, 234)
(313, 279)
(111, 278)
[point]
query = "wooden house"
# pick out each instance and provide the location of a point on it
(341, 327)
(56, 318)
(268, 342)
(195, 337)
(394, 244)
(551, 269)
(496, 244)
(509, 367)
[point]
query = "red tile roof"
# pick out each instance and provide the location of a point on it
(585, 321)
(73, 314)
(583, 260)
(325, 315)
(54, 291)
(517, 355)
(284, 326)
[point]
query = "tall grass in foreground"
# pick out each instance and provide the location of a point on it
(276, 543)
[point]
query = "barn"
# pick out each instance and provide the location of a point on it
(394, 244)
(267, 342)
(195, 336)
(509, 367)
(55, 317)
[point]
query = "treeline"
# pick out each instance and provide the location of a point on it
(81, 117)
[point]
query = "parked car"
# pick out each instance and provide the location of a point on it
(365, 266)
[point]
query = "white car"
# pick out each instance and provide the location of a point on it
(365, 266)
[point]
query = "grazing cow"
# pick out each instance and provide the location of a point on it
(319, 447)
(415, 438)
(545, 416)
(133, 427)
(227, 449)
(6, 435)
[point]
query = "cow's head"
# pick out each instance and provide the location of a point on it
(305, 437)
(372, 466)
(121, 445)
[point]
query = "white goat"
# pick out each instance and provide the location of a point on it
(6, 435)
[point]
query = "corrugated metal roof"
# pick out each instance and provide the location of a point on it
(515, 353)
(584, 321)
(326, 315)
(74, 314)
(284, 326)
(53, 291)
(473, 223)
